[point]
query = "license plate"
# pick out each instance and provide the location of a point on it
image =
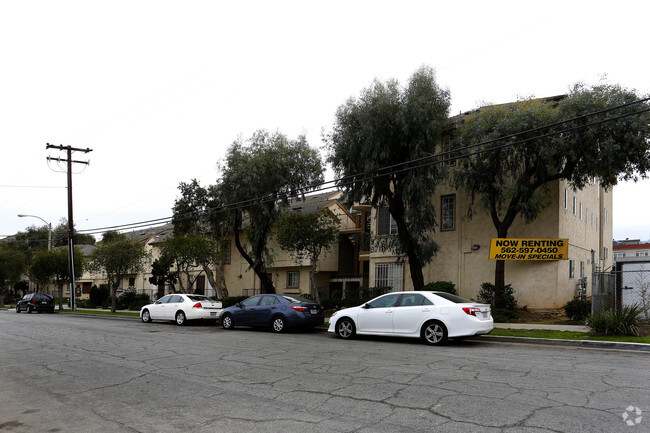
(43, 302)
(213, 313)
(314, 311)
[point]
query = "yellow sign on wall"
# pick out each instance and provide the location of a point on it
(529, 249)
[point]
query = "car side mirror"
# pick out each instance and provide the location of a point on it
(366, 306)
(238, 304)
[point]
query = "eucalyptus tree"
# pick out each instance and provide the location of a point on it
(261, 174)
(373, 141)
(197, 211)
(548, 140)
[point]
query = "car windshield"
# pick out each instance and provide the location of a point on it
(199, 298)
(453, 298)
(297, 299)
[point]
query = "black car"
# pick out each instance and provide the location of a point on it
(36, 302)
(276, 311)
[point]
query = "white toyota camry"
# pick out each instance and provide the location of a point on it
(432, 316)
(180, 308)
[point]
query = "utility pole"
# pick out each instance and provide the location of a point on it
(69, 161)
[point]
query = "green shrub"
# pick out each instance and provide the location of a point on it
(501, 315)
(139, 301)
(85, 303)
(578, 309)
(625, 320)
(486, 295)
(441, 286)
(99, 296)
(231, 300)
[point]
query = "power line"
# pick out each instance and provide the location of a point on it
(437, 158)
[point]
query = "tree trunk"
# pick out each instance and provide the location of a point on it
(396, 209)
(59, 285)
(161, 289)
(257, 266)
(500, 271)
(211, 281)
(113, 291)
(222, 279)
(312, 281)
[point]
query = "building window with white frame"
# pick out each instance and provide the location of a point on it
(580, 211)
(448, 205)
(386, 224)
(619, 255)
(389, 275)
(293, 279)
(572, 268)
(566, 198)
(642, 254)
(575, 206)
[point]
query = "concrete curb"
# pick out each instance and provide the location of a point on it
(593, 344)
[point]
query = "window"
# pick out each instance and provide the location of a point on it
(131, 281)
(448, 205)
(586, 216)
(251, 302)
(413, 299)
(386, 225)
(575, 206)
(605, 253)
(566, 198)
(606, 216)
(642, 254)
(619, 255)
(269, 300)
(226, 252)
(447, 146)
(386, 301)
(580, 211)
(572, 268)
(582, 268)
(293, 279)
(389, 275)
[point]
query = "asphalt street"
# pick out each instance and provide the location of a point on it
(70, 373)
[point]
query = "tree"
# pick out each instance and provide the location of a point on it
(161, 273)
(511, 181)
(117, 256)
(387, 126)
(52, 266)
(12, 266)
(187, 252)
(305, 236)
(196, 212)
(259, 175)
(60, 236)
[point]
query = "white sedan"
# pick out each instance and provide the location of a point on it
(180, 308)
(432, 316)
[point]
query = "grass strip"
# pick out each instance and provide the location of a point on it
(103, 312)
(564, 335)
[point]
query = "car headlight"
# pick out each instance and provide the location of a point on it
(334, 313)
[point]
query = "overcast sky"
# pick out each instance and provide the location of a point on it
(160, 89)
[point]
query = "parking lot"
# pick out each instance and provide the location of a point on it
(72, 373)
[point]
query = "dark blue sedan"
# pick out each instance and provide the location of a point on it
(277, 311)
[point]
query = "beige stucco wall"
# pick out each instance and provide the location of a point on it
(537, 285)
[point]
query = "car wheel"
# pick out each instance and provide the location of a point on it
(180, 318)
(17, 308)
(434, 333)
(345, 328)
(227, 322)
(279, 324)
(146, 316)
(29, 309)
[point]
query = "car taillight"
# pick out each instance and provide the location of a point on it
(471, 310)
(298, 308)
(33, 301)
(197, 305)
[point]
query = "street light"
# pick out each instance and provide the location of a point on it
(49, 228)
